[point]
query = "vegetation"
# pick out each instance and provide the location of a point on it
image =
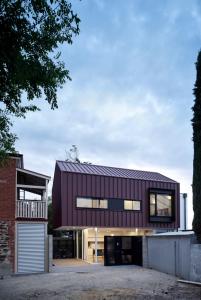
(196, 123)
(30, 64)
(50, 216)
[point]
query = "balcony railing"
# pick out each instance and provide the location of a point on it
(31, 209)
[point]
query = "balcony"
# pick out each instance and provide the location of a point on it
(31, 195)
(31, 209)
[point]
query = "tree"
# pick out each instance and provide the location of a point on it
(30, 64)
(196, 123)
(7, 139)
(50, 218)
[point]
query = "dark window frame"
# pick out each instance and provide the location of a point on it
(91, 198)
(162, 219)
(109, 206)
(137, 210)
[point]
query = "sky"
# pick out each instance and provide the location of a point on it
(129, 101)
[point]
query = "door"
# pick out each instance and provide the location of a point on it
(31, 247)
(64, 244)
(122, 250)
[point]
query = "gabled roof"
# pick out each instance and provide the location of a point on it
(111, 171)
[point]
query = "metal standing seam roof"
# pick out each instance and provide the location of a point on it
(111, 171)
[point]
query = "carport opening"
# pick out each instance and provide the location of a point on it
(118, 246)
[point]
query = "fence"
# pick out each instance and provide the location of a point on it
(173, 253)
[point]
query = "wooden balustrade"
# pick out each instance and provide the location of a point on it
(31, 209)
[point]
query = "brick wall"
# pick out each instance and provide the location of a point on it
(7, 216)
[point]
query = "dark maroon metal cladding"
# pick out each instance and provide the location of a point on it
(69, 184)
(56, 197)
(111, 171)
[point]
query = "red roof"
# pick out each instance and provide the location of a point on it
(111, 171)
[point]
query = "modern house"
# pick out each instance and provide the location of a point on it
(101, 213)
(23, 218)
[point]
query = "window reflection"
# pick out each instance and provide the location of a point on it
(92, 203)
(131, 205)
(160, 204)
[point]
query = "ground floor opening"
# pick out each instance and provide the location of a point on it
(108, 246)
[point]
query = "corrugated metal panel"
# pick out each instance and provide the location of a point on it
(111, 171)
(30, 248)
(75, 184)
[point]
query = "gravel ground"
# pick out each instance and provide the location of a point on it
(96, 282)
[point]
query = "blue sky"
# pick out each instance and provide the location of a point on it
(129, 102)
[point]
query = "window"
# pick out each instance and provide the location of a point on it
(161, 206)
(84, 202)
(131, 205)
(92, 203)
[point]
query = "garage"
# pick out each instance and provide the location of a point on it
(31, 247)
(122, 250)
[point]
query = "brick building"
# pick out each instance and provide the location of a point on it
(23, 218)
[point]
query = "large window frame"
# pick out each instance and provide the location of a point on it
(164, 216)
(110, 204)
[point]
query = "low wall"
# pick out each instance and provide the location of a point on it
(174, 254)
(195, 267)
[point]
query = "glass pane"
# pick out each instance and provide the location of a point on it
(152, 199)
(84, 202)
(128, 204)
(103, 203)
(95, 203)
(136, 205)
(111, 258)
(126, 259)
(164, 205)
(152, 210)
(110, 243)
(126, 243)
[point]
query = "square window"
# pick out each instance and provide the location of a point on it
(160, 205)
(131, 205)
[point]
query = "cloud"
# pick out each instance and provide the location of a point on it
(129, 103)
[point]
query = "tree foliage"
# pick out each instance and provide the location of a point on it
(30, 64)
(50, 218)
(196, 123)
(7, 139)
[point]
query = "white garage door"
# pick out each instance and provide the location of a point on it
(30, 247)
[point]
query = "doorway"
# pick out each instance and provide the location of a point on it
(122, 250)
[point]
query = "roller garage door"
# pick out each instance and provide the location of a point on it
(31, 247)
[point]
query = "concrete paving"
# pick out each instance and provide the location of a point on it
(69, 262)
(96, 282)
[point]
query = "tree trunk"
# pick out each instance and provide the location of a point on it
(196, 123)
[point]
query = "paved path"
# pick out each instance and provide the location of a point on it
(96, 282)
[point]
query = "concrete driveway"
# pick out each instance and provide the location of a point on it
(93, 282)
